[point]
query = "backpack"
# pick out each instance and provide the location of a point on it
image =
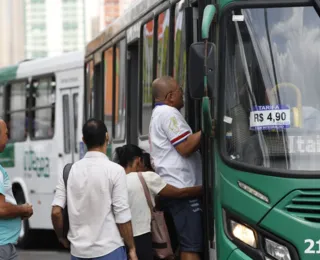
(66, 171)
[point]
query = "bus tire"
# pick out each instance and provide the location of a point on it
(24, 240)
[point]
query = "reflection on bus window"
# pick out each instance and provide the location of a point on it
(272, 88)
(17, 111)
(120, 89)
(90, 89)
(75, 116)
(108, 89)
(180, 55)
(43, 107)
(163, 44)
(66, 123)
(1, 101)
(147, 76)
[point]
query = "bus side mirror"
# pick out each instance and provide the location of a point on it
(196, 69)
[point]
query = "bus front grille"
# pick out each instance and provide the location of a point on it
(306, 205)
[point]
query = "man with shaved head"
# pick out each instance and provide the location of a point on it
(174, 149)
(10, 213)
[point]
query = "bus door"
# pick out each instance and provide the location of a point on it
(70, 98)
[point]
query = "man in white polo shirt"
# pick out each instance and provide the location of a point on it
(97, 199)
(174, 149)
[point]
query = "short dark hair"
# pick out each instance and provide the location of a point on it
(147, 162)
(94, 133)
(125, 155)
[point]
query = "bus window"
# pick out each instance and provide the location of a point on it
(66, 123)
(180, 55)
(108, 89)
(1, 101)
(120, 89)
(147, 76)
(75, 116)
(17, 112)
(43, 109)
(163, 43)
(90, 89)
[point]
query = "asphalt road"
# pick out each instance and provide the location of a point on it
(46, 248)
(42, 255)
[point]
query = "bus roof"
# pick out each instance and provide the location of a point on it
(42, 66)
(47, 65)
(136, 11)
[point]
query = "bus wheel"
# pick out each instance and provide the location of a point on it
(24, 240)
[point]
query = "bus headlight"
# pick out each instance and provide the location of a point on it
(276, 250)
(256, 242)
(243, 233)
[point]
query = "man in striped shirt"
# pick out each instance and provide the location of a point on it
(174, 150)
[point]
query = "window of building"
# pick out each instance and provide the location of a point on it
(43, 107)
(39, 26)
(163, 43)
(17, 114)
(70, 26)
(108, 89)
(180, 55)
(147, 76)
(38, 54)
(37, 1)
(120, 91)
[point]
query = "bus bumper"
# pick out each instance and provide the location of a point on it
(237, 254)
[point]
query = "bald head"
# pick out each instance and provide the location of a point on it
(162, 86)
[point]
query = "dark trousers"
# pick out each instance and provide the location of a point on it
(144, 246)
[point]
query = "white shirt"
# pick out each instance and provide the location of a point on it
(141, 216)
(168, 128)
(97, 199)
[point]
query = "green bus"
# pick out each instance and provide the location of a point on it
(253, 67)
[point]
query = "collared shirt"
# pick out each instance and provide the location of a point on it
(97, 199)
(9, 228)
(168, 128)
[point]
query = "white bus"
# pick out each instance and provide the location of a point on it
(42, 102)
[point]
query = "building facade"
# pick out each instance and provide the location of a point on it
(53, 27)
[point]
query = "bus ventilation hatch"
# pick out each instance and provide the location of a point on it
(306, 205)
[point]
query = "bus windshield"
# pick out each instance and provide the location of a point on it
(272, 88)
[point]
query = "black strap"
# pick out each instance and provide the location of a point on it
(66, 171)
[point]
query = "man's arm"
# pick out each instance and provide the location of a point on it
(178, 132)
(174, 192)
(58, 205)
(57, 222)
(8, 210)
(190, 145)
(126, 233)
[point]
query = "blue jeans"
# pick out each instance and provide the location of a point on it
(118, 254)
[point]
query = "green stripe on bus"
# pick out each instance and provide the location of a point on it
(8, 73)
(7, 157)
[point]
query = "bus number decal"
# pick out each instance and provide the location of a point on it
(311, 243)
(35, 164)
